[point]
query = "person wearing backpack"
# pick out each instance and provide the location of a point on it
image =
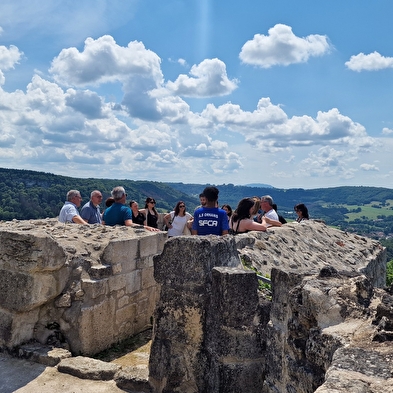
(177, 220)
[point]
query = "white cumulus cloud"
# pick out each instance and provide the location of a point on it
(103, 60)
(8, 58)
(371, 62)
(369, 167)
(387, 131)
(207, 79)
(282, 47)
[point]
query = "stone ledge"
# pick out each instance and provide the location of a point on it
(134, 379)
(88, 368)
(43, 354)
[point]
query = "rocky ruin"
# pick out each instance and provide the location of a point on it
(76, 286)
(326, 326)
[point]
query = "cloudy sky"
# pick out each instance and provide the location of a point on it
(287, 93)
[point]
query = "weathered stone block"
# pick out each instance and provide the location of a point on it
(97, 330)
(27, 252)
(126, 314)
(149, 245)
(87, 368)
(122, 253)
(133, 281)
(116, 283)
(230, 285)
(98, 272)
(22, 326)
(191, 259)
(23, 292)
(94, 288)
(148, 280)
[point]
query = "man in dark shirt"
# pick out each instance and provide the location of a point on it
(91, 210)
(118, 213)
(209, 219)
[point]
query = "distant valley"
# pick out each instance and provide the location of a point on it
(365, 210)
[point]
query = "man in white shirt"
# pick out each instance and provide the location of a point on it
(271, 215)
(69, 212)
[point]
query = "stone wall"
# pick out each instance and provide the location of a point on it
(85, 287)
(327, 328)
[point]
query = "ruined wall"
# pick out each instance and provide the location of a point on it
(327, 328)
(82, 286)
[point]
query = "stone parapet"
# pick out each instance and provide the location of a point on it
(85, 287)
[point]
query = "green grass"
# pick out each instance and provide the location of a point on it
(371, 213)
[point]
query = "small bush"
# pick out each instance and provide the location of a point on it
(389, 273)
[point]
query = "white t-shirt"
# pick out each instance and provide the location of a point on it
(178, 224)
(272, 214)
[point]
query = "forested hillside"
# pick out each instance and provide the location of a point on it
(30, 194)
(364, 210)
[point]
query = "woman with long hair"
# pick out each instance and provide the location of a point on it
(301, 211)
(137, 216)
(177, 220)
(150, 212)
(228, 209)
(241, 221)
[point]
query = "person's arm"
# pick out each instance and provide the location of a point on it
(274, 223)
(129, 223)
(78, 220)
(190, 221)
(167, 218)
(225, 225)
(252, 225)
(151, 229)
(143, 211)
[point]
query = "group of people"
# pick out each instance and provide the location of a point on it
(116, 213)
(251, 214)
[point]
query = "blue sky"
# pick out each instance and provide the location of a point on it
(291, 94)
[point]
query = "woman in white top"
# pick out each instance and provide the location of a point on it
(177, 220)
(241, 221)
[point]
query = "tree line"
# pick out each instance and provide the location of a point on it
(28, 194)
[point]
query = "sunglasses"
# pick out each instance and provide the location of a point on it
(181, 206)
(152, 202)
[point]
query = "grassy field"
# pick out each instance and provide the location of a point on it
(369, 211)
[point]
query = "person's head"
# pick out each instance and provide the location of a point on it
(257, 205)
(211, 193)
(180, 208)
(266, 203)
(118, 194)
(74, 196)
(150, 203)
(301, 210)
(109, 201)
(134, 205)
(202, 199)
(96, 197)
(244, 209)
(228, 209)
